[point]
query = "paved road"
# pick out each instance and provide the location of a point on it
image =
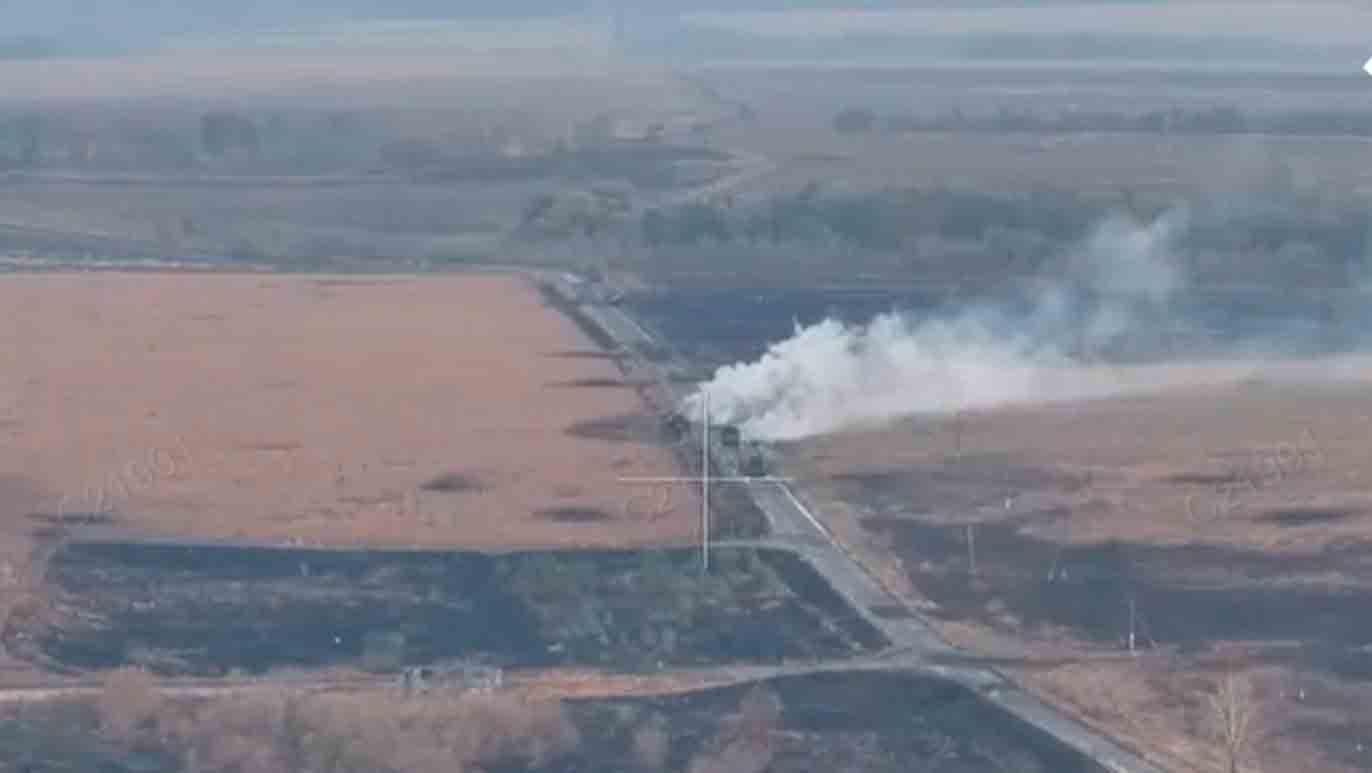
(795, 526)
(798, 527)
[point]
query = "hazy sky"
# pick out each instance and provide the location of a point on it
(145, 20)
(1311, 22)
(142, 22)
(131, 16)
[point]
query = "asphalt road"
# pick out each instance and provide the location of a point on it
(799, 528)
(796, 526)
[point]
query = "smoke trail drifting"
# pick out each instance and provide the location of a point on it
(831, 375)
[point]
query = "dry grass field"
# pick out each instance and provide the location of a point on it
(386, 221)
(1203, 464)
(435, 411)
(353, 78)
(1090, 163)
(1227, 526)
(795, 107)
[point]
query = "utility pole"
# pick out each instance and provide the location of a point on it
(972, 549)
(705, 481)
(1131, 625)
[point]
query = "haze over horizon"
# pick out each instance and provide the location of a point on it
(715, 28)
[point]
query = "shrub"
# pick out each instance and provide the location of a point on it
(128, 704)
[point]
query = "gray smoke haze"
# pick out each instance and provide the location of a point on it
(832, 375)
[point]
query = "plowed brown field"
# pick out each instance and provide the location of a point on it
(431, 411)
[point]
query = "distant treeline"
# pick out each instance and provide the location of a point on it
(1289, 229)
(470, 148)
(1211, 120)
(885, 219)
(880, 219)
(28, 47)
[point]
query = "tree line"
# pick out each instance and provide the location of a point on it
(872, 219)
(1277, 226)
(1177, 120)
(34, 140)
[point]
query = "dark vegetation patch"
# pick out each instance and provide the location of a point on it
(720, 325)
(574, 515)
(1204, 478)
(1340, 739)
(75, 519)
(873, 722)
(811, 585)
(598, 383)
(716, 323)
(51, 532)
(641, 164)
(586, 354)
(452, 483)
(560, 303)
(1184, 595)
(1305, 516)
(205, 611)
(623, 428)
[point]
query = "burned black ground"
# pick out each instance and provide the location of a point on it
(721, 324)
(1188, 596)
(834, 721)
(210, 610)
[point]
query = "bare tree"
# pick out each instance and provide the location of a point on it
(351, 733)
(1233, 710)
(747, 745)
(652, 743)
(128, 703)
(759, 714)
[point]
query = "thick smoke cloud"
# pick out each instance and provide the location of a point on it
(833, 375)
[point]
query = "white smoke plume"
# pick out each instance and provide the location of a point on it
(832, 375)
